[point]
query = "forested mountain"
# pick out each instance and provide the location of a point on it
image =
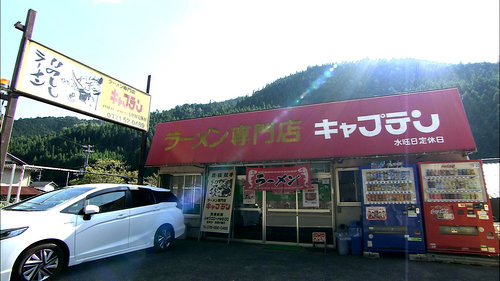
(57, 141)
(42, 126)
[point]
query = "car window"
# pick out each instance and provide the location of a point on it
(74, 208)
(165, 196)
(108, 202)
(142, 197)
(48, 200)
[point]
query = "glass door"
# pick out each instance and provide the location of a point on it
(247, 212)
(281, 216)
(315, 209)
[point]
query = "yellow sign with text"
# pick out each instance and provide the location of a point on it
(51, 77)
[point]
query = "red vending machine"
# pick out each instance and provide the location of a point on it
(457, 210)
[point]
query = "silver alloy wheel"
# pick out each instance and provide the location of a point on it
(41, 265)
(164, 238)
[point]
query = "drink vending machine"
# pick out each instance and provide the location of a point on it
(391, 209)
(457, 210)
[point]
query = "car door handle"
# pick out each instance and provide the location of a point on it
(121, 216)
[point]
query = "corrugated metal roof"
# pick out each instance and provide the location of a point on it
(25, 190)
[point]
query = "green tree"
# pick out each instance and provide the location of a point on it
(101, 171)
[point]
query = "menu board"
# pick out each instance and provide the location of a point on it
(453, 182)
(389, 186)
(218, 202)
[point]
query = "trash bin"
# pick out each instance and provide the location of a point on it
(343, 239)
(354, 224)
(356, 235)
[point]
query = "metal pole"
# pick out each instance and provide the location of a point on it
(144, 138)
(18, 196)
(67, 178)
(12, 98)
(9, 192)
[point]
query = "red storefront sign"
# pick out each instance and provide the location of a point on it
(319, 237)
(398, 124)
(278, 178)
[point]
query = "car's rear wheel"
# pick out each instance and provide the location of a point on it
(41, 262)
(163, 238)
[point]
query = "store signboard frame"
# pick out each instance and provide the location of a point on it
(51, 77)
(433, 121)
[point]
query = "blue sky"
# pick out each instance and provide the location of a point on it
(199, 51)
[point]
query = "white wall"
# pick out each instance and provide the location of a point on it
(17, 176)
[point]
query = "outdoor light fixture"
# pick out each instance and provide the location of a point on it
(18, 25)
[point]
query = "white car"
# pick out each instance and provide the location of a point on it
(41, 235)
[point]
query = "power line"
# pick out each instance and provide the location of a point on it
(69, 140)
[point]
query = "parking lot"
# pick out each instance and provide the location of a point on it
(214, 260)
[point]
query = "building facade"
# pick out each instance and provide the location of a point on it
(330, 142)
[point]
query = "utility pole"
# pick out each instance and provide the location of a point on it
(10, 111)
(87, 151)
(144, 139)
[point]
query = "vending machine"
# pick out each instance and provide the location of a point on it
(457, 210)
(391, 209)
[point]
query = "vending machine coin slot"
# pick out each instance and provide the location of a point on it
(460, 212)
(478, 206)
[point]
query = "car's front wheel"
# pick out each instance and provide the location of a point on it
(163, 238)
(41, 262)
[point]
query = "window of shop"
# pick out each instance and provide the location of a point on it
(294, 216)
(289, 217)
(188, 188)
(320, 167)
(247, 209)
(348, 187)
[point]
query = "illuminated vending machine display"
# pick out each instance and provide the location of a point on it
(391, 209)
(457, 212)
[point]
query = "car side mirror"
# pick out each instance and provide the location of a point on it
(89, 210)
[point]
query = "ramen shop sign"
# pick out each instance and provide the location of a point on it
(54, 78)
(278, 178)
(399, 124)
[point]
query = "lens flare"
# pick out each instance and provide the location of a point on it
(316, 84)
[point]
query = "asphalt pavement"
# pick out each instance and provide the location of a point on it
(217, 260)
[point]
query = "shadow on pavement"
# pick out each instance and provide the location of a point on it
(214, 260)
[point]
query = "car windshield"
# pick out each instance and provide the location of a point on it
(48, 200)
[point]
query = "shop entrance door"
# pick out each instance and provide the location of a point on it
(294, 216)
(315, 209)
(281, 216)
(247, 215)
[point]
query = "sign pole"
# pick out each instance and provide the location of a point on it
(12, 97)
(144, 138)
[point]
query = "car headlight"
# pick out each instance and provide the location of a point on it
(8, 233)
